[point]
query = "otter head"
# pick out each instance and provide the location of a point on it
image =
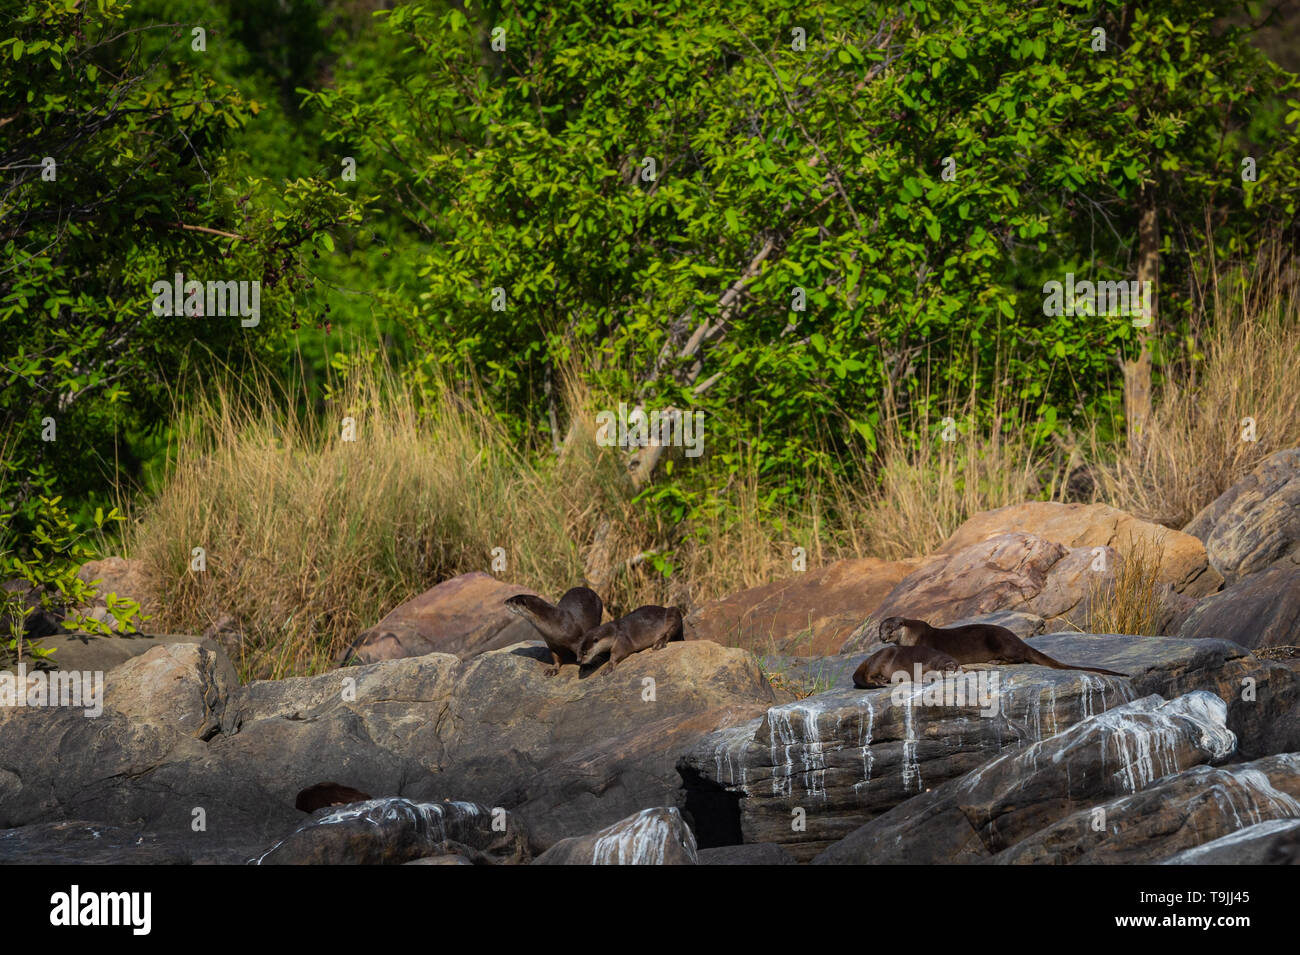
(524, 605)
(898, 630)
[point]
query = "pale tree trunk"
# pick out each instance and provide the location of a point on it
(1137, 372)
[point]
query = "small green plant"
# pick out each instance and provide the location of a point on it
(56, 551)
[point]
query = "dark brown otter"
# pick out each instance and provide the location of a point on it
(562, 625)
(647, 627)
(975, 643)
(328, 794)
(879, 668)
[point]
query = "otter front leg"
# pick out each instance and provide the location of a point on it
(555, 665)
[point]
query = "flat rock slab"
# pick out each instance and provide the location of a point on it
(1263, 697)
(1276, 842)
(807, 774)
(1177, 813)
(1014, 795)
(90, 652)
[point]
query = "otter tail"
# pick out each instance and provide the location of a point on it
(1042, 659)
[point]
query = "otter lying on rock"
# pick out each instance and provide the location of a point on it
(562, 626)
(879, 668)
(647, 627)
(976, 643)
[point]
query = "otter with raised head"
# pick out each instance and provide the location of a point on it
(974, 643)
(879, 668)
(647, 627)
(561, 625)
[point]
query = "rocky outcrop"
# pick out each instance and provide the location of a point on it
(1262, 610)
(807, 774)
(1255, 524)
(1016, 571)
(582, 750)
(808, 614)
(1263, 697)
(396, 831)
(1014, 795)
(1177, 813)
(1276, 842)
(651, 837)
(181, 685)
(464, 616)
(1184, 564)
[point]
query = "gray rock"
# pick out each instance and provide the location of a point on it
(651, 837)
(1014, 795)
(1276, 842)
(762, 853)
(1262, 610)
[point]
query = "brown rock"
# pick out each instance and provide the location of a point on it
(124, 576)
(651, 837)
(1184, 564)
(1009, 572)
(184, 686)
(464, 616)
(808, 614)
(1261, 610)
(1254, 524)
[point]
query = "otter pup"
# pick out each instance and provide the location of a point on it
(645, 627)
(879, 668)
(975, 643)
(562, 625)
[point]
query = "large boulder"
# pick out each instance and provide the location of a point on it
(1183, 561)
(1255, 524)
(395, 831)
(463, 616)
(808, 614)
(1015, 571)
(807, 774)
(183, 685)
(651, 837)
(1262, 610)
(1014, 795)
(580, 749)
(1263, 697)
(1177, 813)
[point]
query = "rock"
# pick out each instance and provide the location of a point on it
(78, 842)
(804, 676)
(394, 831)
(416, 728)
(84, 651)
(1014, 795)
(125, 577)
(448, 859)
(464, 616)
(1263, 697)
(1276, 842)
(847, 756)
(1009, 572)
(761, 853)
(1262, 610)
(651, 837)
(806, 614)
(323, 795)
(183, 685)
(1184, 563)
(1255, 524)
(1179, 812)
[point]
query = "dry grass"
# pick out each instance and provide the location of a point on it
(1128, 600)
(1194, 449)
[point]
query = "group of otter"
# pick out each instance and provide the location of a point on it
(574, 634)
(935, 649)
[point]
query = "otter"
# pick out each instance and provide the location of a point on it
(561, 625)
(328, 794)
(975, 643)
(647, 627)
(879, 668)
